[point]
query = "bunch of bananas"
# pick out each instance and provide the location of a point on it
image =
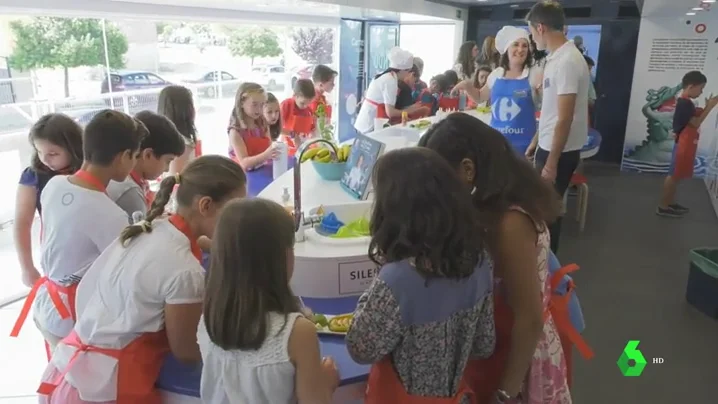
(324, 155)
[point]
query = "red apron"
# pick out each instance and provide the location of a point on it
(138, 363)
(320, 99)
(299, 125)
(53, 289)
(484, 375)
(685, 152)
(197, 148)
(384, 387)
(255, 145)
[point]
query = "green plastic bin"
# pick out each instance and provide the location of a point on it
(702, 288)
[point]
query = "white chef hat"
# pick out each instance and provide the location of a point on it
(508, 35)
(400, 59)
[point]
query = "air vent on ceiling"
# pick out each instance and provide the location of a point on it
(483, 13)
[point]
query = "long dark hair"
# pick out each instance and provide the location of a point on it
(538, 55)
(249, 275)
(422, 212)
(59, 130)
(502, 178)
(466, 58)
(175, 102)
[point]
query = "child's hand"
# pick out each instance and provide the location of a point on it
(329, 368)
(30, 276)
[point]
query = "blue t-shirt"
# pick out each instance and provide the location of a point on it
(684, 111)
(31, 178)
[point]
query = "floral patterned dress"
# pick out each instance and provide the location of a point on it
(545, 381)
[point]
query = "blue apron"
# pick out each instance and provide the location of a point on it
(513, 112)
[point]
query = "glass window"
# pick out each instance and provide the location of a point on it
(154, 79)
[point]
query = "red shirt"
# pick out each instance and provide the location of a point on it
(288, 109)
(318, 100)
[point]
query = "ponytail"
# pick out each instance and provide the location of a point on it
(156, 210)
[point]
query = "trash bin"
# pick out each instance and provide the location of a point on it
(702, 289)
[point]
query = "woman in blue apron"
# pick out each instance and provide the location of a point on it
(511, 89)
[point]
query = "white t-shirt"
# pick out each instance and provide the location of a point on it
(382, 90)
(534, 73)
(78, 224)
(122, 296)
(264, 376)
(128, 195)
(565, 72)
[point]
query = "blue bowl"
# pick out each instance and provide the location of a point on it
(330, 171)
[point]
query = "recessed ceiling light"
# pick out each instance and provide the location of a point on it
(690, 13)
(514, 6)
(708, 1)
(697, 9)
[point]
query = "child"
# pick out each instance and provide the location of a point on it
(80, 220)
(272, 116)
(687, 120)
(298, 119)
(250, 144)
(513, 205)
(479, 80)
(426, 244)
(451, 78)
(157, 151)
(256, 345)
(175, 102)
(323, 78)
(57, 143)
(143, 296)
(419, 85)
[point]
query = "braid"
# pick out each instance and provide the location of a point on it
(156, 210)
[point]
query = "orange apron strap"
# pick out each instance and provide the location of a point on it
(25, 311)
(558, 309)
(557, 276)
(54, 290)
(46, 388)
(198, 148)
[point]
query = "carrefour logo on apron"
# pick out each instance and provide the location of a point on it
(505, 109)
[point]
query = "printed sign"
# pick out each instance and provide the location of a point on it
(355, 277)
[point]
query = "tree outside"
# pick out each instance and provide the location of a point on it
(51, 42)
(254, 42)
(314, 45)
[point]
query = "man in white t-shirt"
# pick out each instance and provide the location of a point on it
(563, 126)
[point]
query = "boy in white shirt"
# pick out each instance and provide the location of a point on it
(159, 148)
(80, 220)
(563, 126)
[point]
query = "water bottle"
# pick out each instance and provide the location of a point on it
(462, 101)
(281, 160)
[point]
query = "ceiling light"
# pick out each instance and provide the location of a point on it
(697, 8)
(690, 13)
(514, 6)
(708, 1)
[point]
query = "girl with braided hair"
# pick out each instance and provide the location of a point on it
(143, 296)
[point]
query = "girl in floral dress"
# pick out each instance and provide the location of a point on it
(514, 204)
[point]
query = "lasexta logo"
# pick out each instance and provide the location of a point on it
(631, 353)
(505, 109)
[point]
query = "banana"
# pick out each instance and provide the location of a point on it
(321, 154)
(346, 151)
(309, 154)
(327, 158)
(340, 154)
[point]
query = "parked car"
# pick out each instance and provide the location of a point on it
(229, 84)
(270, 77)
(130, 80)
(301, 72)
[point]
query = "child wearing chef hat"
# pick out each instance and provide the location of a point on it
(380, 97)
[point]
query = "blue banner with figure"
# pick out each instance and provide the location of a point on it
(381, 38)
(351, 75)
